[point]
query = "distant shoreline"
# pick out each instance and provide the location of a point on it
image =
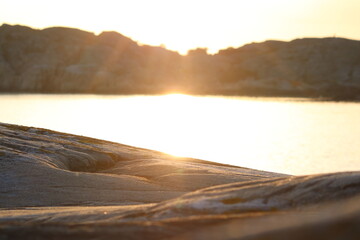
(296, 97)
(64, 60)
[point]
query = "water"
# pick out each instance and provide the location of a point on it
(295, 136)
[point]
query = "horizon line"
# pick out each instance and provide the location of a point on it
(163, 46)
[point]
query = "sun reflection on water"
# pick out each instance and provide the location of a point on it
(296, 137)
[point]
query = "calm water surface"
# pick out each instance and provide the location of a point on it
(294, 136)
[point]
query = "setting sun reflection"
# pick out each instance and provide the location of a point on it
(184, 125)
(277, 135)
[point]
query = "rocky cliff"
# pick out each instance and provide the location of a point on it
(60, 186)
(64, 60)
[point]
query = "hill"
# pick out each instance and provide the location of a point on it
(64, 60)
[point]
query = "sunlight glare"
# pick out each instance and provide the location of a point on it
(270, 134)
(188, 125)
(186, 24)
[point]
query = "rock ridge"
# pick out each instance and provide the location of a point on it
(64, 60)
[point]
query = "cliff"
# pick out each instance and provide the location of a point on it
(63, 60)
(61, 186)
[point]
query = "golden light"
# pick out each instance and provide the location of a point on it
(187, 24)
(179, 124)
(270, 134)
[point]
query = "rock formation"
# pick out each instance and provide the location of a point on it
(63, 60)
(55, 186)
(46, 165)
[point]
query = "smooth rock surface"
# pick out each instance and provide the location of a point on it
(55, 185)
(45, 168)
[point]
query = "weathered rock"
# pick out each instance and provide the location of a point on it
(45, 168)
(339, 220)
(55, 186)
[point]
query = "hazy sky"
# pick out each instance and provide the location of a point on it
(181, 25)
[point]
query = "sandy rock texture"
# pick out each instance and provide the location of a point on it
(55, 186)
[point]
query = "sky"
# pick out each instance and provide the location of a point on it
(188, 24)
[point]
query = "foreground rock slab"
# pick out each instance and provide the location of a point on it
(55, 186)
(45, 168)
